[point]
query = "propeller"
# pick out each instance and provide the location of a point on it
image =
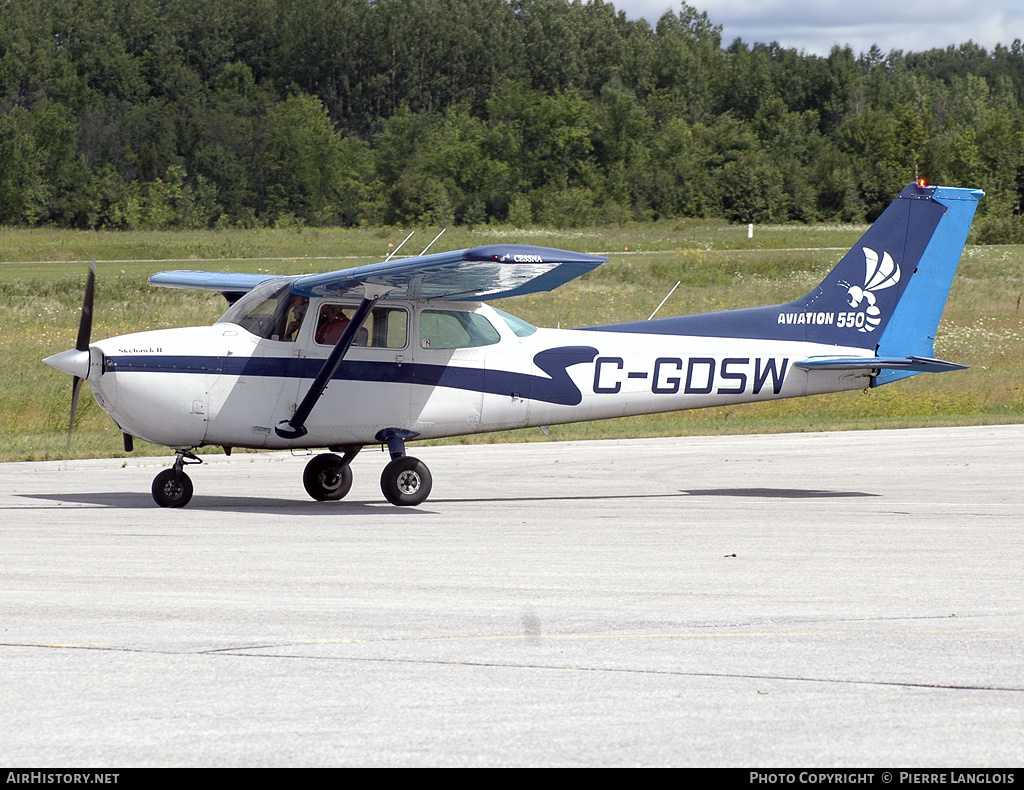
(84, 333)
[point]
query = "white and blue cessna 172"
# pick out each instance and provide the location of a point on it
(402, 350)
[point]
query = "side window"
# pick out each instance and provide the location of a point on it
(453, 329)
(386, 327)
(391, 329)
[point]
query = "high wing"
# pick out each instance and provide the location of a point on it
(491, 272)
(233, 286)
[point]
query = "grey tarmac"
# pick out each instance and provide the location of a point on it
(819, 599)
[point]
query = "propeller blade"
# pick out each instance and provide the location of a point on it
(76, 387)
(84, 335)
(85, 324)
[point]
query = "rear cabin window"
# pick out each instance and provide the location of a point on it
(453, 329)
(516, 324)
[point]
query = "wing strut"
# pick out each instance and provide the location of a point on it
(295, 428)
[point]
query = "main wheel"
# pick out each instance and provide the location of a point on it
(406, 481)
(169, 492)
(325, 479)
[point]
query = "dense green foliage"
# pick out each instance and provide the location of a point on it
(211, 113)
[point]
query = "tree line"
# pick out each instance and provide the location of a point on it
(242, 113)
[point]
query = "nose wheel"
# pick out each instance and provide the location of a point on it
(172, 487)
(171, 492)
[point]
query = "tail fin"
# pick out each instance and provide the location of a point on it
(886, 294)
(911, 328)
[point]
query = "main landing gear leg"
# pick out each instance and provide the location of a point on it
(406, 480)
(172, 487)
(328, 476)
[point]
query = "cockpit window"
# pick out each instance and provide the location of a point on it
(453, 329)
(269, 311)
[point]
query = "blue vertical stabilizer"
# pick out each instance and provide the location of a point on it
(912, 327)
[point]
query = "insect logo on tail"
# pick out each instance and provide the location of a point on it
(879, 274)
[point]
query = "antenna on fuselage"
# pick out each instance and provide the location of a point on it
(656, 309)
(439, 235)
(396, 249)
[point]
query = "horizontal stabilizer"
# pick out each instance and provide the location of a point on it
(911, 364)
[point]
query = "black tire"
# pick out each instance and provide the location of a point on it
(406, 481)
(170, 493)
(325, 479)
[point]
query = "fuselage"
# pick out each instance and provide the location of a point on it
(393, 351)
(433, 368)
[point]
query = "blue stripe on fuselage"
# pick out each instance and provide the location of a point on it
(559, 388)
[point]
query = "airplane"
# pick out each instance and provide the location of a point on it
(391, 352)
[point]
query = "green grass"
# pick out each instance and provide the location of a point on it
(42, 275)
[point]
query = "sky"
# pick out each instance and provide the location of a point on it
(814, 26)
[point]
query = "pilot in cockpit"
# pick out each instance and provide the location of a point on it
(296, 312)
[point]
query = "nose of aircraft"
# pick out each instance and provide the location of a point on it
(78, 361)
(87, 365)
(72, 361)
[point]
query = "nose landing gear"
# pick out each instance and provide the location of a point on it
(172, 487)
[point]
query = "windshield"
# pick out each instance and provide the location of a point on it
(268, 311)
